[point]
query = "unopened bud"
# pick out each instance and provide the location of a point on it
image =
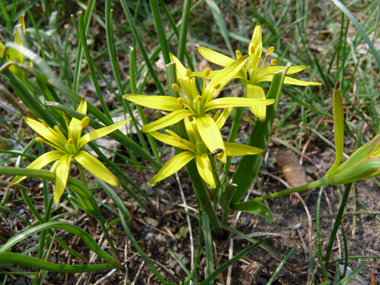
(207, 72)
(269, 51)
(217, 86)
(175, 87)
(238, 54)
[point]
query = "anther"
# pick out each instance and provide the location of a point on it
(238, 54)
(175, 87)
(40, 140)
(70, 141)
(273, 62)
(84, 122)
(217, 86)
(207, 72)
(199, 98)
(180, 101)
(252, 49)
(188, 74)
(190, 118)
(269, 51)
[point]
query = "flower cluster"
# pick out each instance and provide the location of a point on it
(193, 107)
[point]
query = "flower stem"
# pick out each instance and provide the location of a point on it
(82, 174)
(311, 185)
(107, 236)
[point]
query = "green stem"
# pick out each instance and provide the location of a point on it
(82, 175)
(215, 170)
(225, 217)
(107, 236)
(311, 185)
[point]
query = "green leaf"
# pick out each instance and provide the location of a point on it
(339, 126)
(64, 226)
(227, 191)
(254, 207)
(19, 259)
(278, 270)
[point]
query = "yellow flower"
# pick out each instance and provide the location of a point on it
(196, 148)
(13, 55)
(254, 72)
(68, 148)
(195, 106)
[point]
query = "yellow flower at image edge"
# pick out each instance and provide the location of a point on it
(70, 148)
(195, 149)
(253, 72)
(13, 55)
(191, 104)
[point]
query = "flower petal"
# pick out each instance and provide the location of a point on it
(61, 176)
(46, 132)
(204, 169)
(223, 117)
(214, 73)
(211, 136)
(187, 84)
(226, 102)
(100, 133)
(215, 57)
(289, 80)
(168, 120)
(75, 127)
(223, 77)
(270, 70)
(236, 149)
(173, 165)
(256, 36)
(165, 103)
(41, 162)
(96, 168)
(256, 92)
(183, 144)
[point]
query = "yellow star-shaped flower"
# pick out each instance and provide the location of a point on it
(254, 72)
(195, 106)
(70, 148)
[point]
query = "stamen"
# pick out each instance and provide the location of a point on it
(217, 115)
(180, 101)
(199, 98)
(252, 49)
(174, 135)
(84, 123)
(207, 72)
(217, 86)
(44, 123)
(188, 73)
(190, 118)
(256, 43)
(55, 166)
(175, 87)
(269, 51)
(70, 141)
(273, 62)
(238, 54)
(40, 140)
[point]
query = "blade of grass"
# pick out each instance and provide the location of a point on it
(183, 30)
(279, 268)
(208, 247)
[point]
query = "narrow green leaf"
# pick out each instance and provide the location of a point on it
(278, 270)
(209, 247)
(219, 19)
(183, 30)
(15, 258)
(227, 264)
(227, 191)
(354, 272)
(353, 19)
